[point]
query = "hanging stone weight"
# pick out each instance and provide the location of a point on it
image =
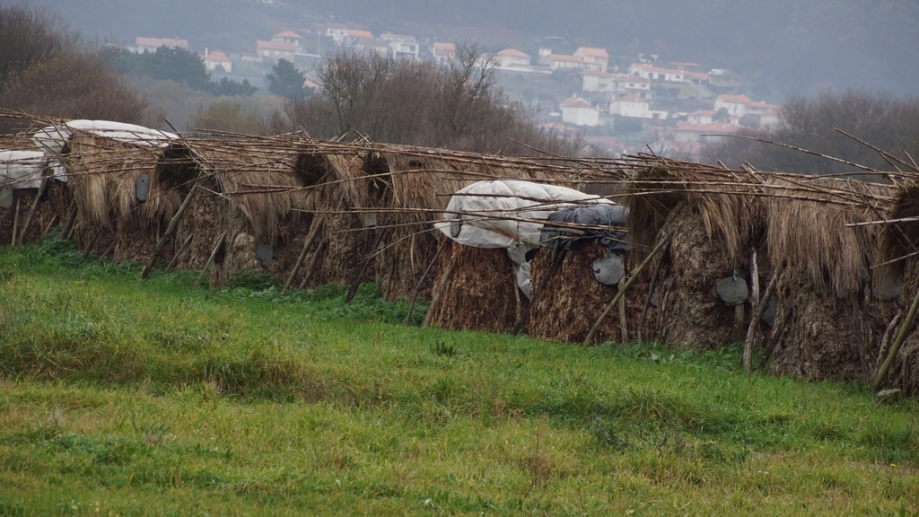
(887, 287)
(609, 270)
(6, 198)
(142, 187)
(264, 253)
(768, 316)
(733, 292)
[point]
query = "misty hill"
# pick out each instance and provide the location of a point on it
(787, 45)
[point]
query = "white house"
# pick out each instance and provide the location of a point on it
(217, 58)
(288, 37)
(630, 106)
(402, 46)
(700, 117)
(597, 56)
(151, 44)
(443, 52)
(656, 73)
(373, 46)
(512, 58)
(273, 50)
(336, 31)
(596, 81)
(579, 112)
(739, 105)
(624, 85)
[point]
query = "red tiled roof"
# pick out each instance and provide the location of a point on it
(159, 42)
(592, 52)
(512, 52)
(565, 57)
(390, 35)
(288, 34)
(276, 45)
(575, 102)
(714, 127)
(447, 47)
(216, 56)
(357, 33)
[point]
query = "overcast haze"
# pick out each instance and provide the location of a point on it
(787, 46)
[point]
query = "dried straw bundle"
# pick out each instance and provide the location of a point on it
(479, 290)
(572, 299)
(829, 327)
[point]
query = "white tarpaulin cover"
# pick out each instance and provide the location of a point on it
(506, 213)
(53, 138)
(21, 169)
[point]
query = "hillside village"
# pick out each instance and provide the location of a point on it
(672, 108)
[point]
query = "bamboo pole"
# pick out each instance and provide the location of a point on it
(314, 232)
(169, 229)
(15, 222)
(660, 245)
(48, 228)
(25, 227)
(754, 322)
(67, 229)
(360, 274)
(895, 346)
(210, 259)
(314, 263)
(424, 276)
(623, 322)
(438, 294)
(175, 257)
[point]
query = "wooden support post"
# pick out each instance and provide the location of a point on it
(107, 251)
(48, 228)
(755, 318)
(424, 276)
(15, 223)
(89, 248)
(210, 259)
(739, 317)
(623, 322)
(25, 227)
(307, 243)
(438, 294)
(360, 274)
(314, 263)
(895, 346)
(67, 229)
(538, 290)
(169, 229)
(593, 330)
(651, 287)
(175, 258)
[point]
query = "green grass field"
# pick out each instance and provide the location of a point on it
(127, 397)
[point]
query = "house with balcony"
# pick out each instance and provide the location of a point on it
(630, 106)
(597, 56)
(657, 73)
(443, 52)
(403, 46)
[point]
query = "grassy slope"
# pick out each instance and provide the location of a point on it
(130, 397)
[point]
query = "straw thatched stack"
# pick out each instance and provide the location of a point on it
(715, 219)
(103, 174)
(571, 299)
(829, 325)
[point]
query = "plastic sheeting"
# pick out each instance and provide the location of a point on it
(21, 169)
(613, 216)
(53, 138)
(507, 213)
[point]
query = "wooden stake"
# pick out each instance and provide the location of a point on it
(314, 232)
(169, 229)
(895, 346)
(48, 228)
(92, 245)
(15, 222)
(438, 294)
(67, 229)
(651, 287)
(210, 259)
(360, 274)
(175, 258)
(623, 322)
(314, 263)
(424, 276)
(107, 251)
(537, 291)
(25, 227)
(660, 245)
(754, 322)
(739, 316)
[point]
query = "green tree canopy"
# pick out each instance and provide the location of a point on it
(286, 81)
